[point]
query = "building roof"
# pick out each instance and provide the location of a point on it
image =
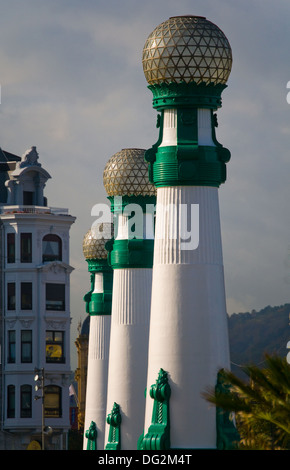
(8, 156)
(86, 326)
(7, 163)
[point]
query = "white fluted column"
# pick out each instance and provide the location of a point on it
(97, 373)
(128, 351)
(188, 325)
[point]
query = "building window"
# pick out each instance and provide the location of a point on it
(11, 401)
(25, 401)
(28, 198)
(52, 401)
(55, 296)
(51, 248)
(26, 295)
(26, 247)
(26, 346)
(11, 346)
(11, 296)
(10, 247)
(55, 346)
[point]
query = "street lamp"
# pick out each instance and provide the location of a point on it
(39, 379)
(187, 62)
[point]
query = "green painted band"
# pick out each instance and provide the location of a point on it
(100, 304)
(187, 163)
(189, 166)
(98, 265)
(168, 95)
(118, 203)
(133, 253)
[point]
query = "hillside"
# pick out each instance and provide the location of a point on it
(256, 333)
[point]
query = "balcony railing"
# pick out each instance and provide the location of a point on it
(19, 209)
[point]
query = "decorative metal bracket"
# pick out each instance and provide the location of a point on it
(158, 435)
(91, 435)
(114, 420)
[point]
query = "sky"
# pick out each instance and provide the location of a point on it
(72, 85)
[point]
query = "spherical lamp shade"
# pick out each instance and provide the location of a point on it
(126, 174)
(187, 49)
(95, 239)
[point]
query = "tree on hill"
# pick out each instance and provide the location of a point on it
(254, 334)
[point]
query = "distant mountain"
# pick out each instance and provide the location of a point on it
(254, 334)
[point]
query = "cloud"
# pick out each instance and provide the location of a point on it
(72, 84)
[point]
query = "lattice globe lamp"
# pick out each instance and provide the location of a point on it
(126, 174)
(187, 61)
(187, 49)
(95, 240)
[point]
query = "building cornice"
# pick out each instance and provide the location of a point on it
(55, 266)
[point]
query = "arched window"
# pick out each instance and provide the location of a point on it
(52, 401)
(51, 248)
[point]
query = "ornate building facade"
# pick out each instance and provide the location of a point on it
(35, 307)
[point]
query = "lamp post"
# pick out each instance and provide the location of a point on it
(98, 303)
(130, 254)
(187, 61)
(39, 379)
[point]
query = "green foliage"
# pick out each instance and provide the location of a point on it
(261, 404)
